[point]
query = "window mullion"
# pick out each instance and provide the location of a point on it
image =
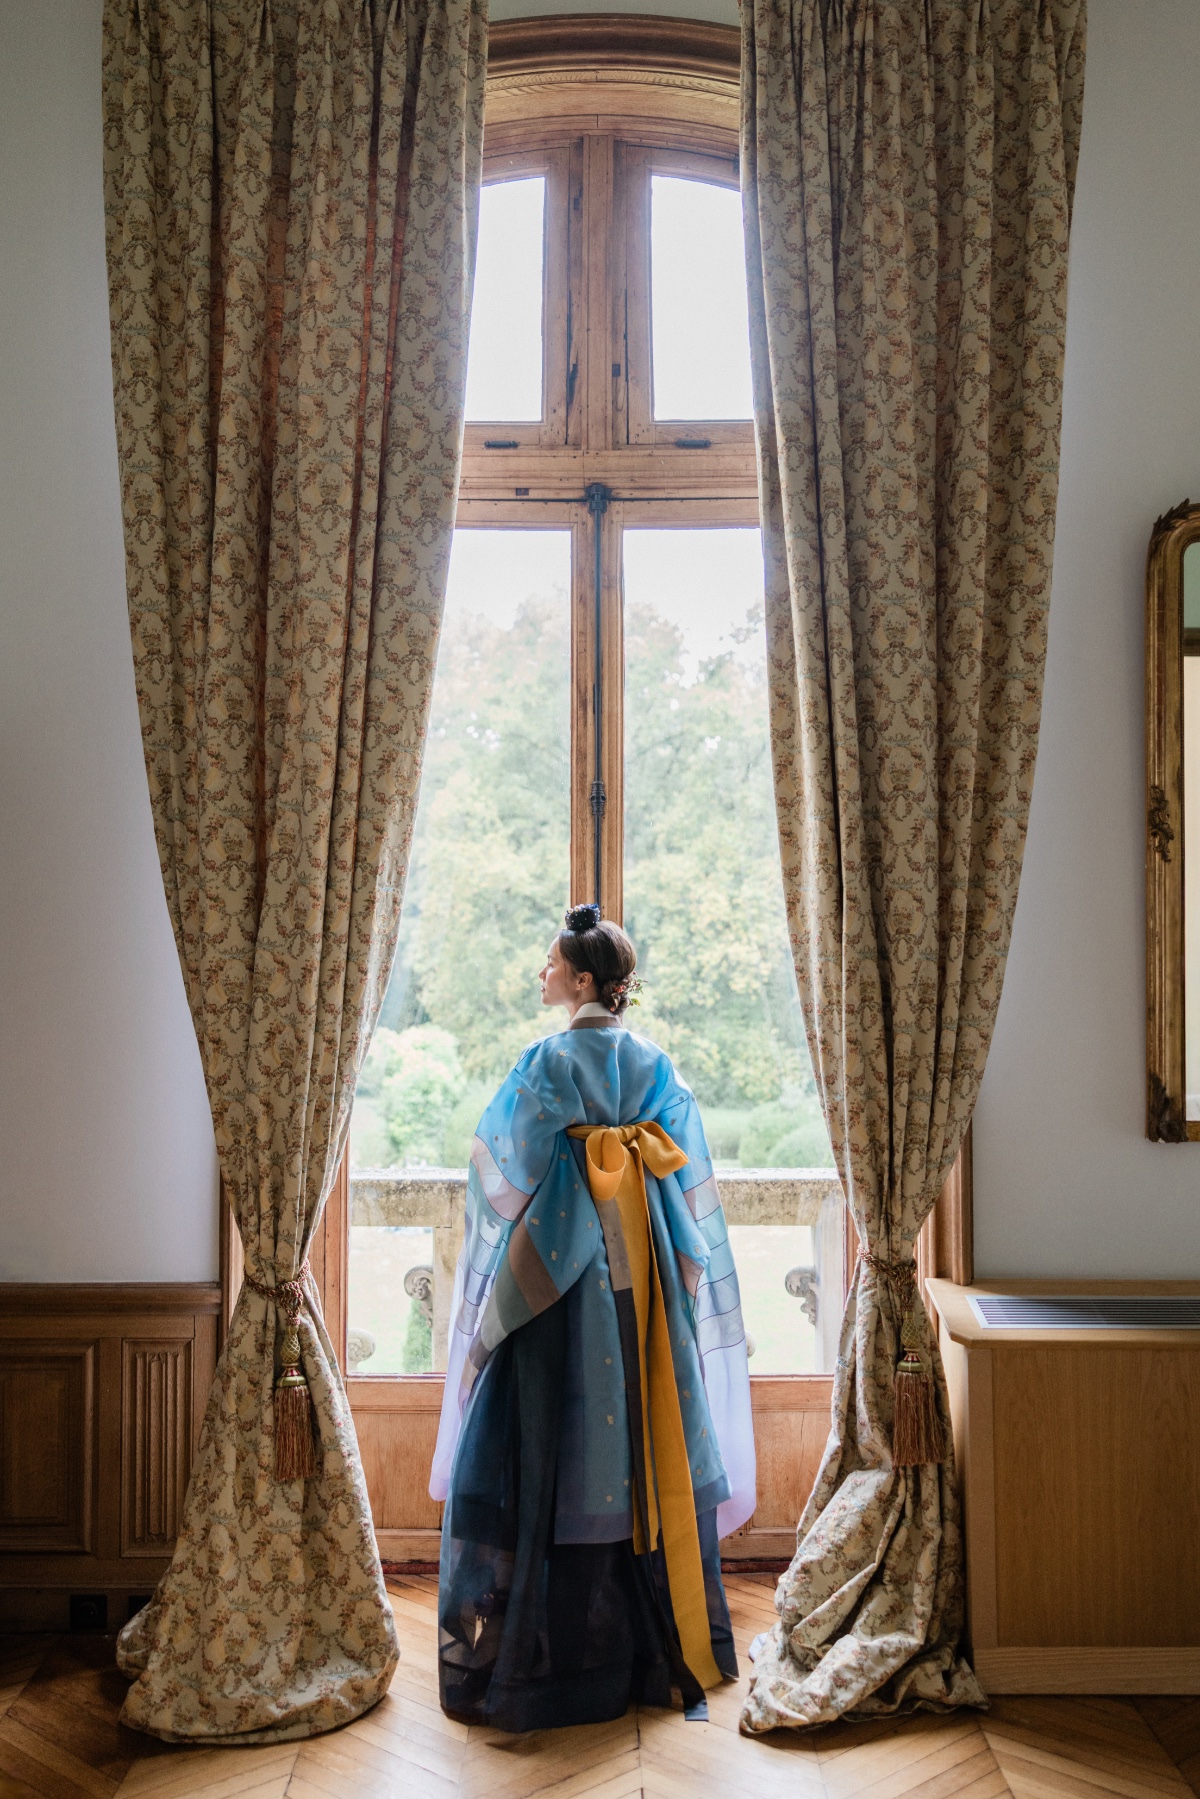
(595, 374)
(583, 674)
(583, 720)
(636, 245)
(612, 636)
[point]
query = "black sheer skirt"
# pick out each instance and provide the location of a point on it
(535, 1634)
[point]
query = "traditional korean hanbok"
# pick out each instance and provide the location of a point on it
(595, 1438)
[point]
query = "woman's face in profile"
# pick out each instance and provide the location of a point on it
(563, 985)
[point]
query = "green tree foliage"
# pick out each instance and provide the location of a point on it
(488, 884)
(415, 1081)
(702, 889)
(489, 870)
(416, 1357)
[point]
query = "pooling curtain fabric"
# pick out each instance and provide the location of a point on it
(291, 190)
(908, 167)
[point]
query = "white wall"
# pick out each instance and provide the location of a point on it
(1065, 1182)
(107, 1161)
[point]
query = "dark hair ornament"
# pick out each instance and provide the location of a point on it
(582, 918)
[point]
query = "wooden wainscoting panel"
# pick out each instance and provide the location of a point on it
(47, 1446)
(1079, 1457)
(397, 1422)
(977, 1474)
(969, 1383)
(791, 1428)
(156, 1442)
(103, 1390)
(1091, 1468)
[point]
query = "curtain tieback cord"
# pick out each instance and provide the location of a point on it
(295, 1449)
(917, 1434)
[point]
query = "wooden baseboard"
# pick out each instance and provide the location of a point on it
(747, 1546)
(102, 1394)
(37, 1609)
(1081, 1670)
(759, 1545)
(409, 1545)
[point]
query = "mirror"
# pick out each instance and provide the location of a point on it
(1173, 828)
(1191, 831)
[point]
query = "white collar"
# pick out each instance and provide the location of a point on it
(593, 1009)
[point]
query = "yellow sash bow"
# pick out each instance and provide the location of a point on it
(617, 1156)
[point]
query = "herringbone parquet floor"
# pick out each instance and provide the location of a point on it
(59, 1739)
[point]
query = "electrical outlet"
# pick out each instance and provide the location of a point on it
(89, 1611)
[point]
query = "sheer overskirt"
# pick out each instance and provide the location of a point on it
(536, 1634)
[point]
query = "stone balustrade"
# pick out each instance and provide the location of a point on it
(434, 1199)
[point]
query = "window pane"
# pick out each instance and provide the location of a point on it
(781, 1333)
(487, 886)
(700, 333)
(386, 1288)
(704, 892)
(504, 361)
(703, 888)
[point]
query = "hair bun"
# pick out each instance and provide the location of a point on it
(582, 918)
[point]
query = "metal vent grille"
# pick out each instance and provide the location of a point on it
(1078, 1311)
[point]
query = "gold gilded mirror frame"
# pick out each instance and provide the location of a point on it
(1168, 643)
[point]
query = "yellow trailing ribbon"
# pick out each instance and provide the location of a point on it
(617, 1156)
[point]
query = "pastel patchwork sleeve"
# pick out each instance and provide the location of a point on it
(530, 1231)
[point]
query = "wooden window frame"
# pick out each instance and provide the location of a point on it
(635, 167)
(561, 274)
(596, 105)
(946, 1241)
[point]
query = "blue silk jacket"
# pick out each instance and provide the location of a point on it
(524, 1166)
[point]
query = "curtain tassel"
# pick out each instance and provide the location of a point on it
(295, 1452)
(917, 1435)
(295, 1446)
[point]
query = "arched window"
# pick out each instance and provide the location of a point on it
(599, 720)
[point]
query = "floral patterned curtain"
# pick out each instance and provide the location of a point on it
(291, 191)
(908, 167)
